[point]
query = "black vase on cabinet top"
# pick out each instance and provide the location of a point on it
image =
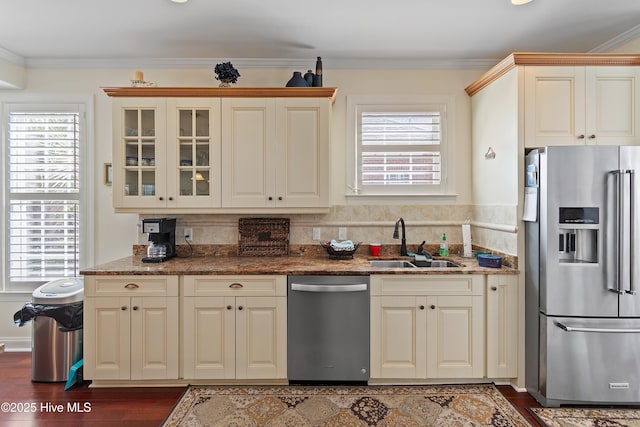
(297, 80)
(308, 77)
(317, 81)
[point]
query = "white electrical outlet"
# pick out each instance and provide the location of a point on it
(316, 233)
(342, 233)
(188, 234)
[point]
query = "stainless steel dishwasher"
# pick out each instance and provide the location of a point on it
(328, 329)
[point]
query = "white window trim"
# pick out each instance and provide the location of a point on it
(355, 102)
(36, 102)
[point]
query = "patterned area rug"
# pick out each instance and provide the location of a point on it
(300, 406)
(587, 417)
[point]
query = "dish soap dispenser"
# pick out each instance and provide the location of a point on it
(444, 246)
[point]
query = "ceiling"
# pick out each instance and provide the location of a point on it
(344, 32)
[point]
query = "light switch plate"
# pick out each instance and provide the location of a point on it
(316, 233)
(342, 233)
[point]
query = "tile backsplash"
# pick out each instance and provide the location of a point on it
(492, 226)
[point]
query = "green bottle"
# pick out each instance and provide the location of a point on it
(444, 246)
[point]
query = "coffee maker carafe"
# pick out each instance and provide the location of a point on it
(162, 239)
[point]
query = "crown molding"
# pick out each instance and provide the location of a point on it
(224, 92)
(550, 59)
(11, 57)
(619, 40)
(286, 63)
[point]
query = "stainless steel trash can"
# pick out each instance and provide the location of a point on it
(53, 352)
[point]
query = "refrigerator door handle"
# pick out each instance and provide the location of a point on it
(569, 328)
(632, 232)
(619, 231)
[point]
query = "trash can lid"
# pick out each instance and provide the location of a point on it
(60, 291)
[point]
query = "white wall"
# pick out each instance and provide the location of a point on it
(632, 46)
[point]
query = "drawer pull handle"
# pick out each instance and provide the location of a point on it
(229, 307)
(123, 308)
(422, 307)
(433, 307)
(131, 286)
(236, 286)
(240, 308)
(135, 308)
(494, 288)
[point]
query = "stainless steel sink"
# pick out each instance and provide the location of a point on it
(436, 263)
(388, 263)
(397, 263)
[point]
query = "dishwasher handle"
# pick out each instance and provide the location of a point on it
(328, 288)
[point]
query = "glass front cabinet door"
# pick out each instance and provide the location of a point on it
(193, 153)
(166, 153)
(139, 153)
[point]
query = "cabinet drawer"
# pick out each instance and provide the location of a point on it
(411, 284)
(246, 285)
(95, 286)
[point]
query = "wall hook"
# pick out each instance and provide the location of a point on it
(490, 154)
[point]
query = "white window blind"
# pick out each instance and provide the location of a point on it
(399, 147)
(43, 195)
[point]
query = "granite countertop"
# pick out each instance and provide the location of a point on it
(287, 265)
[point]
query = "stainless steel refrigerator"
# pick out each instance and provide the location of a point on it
(582, 262)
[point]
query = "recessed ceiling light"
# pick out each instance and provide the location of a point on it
(519, 2)
(179, 1)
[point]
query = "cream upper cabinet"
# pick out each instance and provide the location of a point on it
(275, 152)
(139, 153)
(502, 326)
(566, 105)
(166, 153)
(214, 150)
(131, 328)
(427, 326)
(234, 327)
(193, 148)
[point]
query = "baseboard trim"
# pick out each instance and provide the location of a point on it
(16, 344)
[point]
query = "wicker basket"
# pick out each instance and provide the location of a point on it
(263, 236)
(336, 253)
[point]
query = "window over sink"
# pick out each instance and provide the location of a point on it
(398, 145)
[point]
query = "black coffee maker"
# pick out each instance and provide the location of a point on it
(162, 239)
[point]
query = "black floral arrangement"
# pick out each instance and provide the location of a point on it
(226, 72)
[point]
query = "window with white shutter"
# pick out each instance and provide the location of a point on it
(43, 194)
(399, 147)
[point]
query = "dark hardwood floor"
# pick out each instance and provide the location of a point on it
(107, 407)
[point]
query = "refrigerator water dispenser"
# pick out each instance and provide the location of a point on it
(578, 235)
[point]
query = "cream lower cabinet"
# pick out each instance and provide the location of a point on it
(131, 328)
(502, 326)
(234, 327)
(425, 327)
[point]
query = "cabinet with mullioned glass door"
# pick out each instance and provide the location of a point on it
(166, 153)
